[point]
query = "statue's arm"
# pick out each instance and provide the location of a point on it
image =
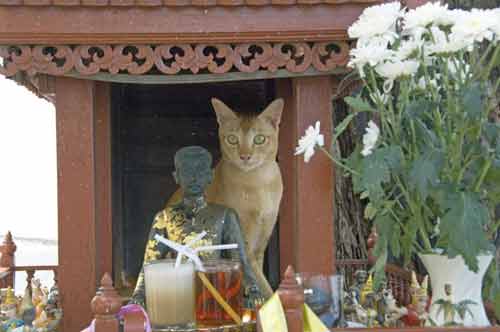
(154, 251)
(232, 234)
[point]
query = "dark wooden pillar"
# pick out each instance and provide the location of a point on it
(102, 150)
(306, 214)
(83, 194)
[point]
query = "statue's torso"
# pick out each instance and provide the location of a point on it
(182, 227)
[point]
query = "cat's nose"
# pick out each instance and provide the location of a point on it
(245, 157)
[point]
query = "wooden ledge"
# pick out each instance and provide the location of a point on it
(176, 3)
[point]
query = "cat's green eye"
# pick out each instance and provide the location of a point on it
(232, 139)
(259, 139)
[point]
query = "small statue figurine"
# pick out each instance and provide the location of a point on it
(367, 289)
(27, 310)
(418, 308)
(41, 322)
(360, 277)
(183, 221)
(365, 313)
(37, 293)
(392, 313)
(9, 306)
(450, 309)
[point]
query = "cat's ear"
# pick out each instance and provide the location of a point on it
(272, 113)
(223, 112)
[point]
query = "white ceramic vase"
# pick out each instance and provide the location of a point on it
(465, 285)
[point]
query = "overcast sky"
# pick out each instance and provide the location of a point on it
(28, 175)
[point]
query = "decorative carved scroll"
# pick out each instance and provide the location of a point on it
(173, 59)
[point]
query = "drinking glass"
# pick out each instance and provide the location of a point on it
(323, 294)
(170, 297)
(226, 276)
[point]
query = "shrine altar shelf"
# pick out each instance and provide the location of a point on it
(98, 61)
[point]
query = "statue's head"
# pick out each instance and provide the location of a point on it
(193, 169)
(361, 276)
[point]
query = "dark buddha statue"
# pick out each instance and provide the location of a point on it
(183, 221)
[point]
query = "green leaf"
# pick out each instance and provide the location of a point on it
(384, 225)
(393, 156)
(417, 108)
(472, 100)
(395, 241)
(492, 133)
(409, 236)
(374, 172)
(424, 173)
(358, 104)
(428, 137)
(462, 226)
(342, 126)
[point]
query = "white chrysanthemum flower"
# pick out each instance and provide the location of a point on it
(475, 25)
(442, 43)
(371, 53)
(370, 138)
(409, 48)
(308, 142)
(377, 20)
(432, 13)
(393, 70)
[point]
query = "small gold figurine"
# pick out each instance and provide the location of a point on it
(367, 289)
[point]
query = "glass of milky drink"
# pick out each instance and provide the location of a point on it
(170, 295)
(226, 276)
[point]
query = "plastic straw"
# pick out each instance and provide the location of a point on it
(184, 250)
(217, 247)
(189, 244)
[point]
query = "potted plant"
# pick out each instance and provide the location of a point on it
(429, 162)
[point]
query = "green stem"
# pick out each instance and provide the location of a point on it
(425, 238)
(494, 229)
(487, 69)
(337, 162)
(485, 56)
(484, 171)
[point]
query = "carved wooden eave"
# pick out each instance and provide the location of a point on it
(163, 37)
(173, 59)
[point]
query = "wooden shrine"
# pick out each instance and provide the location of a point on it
(131, 81)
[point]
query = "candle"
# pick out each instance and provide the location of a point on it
(170, 294)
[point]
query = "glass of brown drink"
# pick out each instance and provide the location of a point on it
(227, 277)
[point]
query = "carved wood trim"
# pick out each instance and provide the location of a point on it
(173, 59)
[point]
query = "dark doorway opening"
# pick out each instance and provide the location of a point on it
(150, 123)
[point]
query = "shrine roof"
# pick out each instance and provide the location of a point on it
(177, 3)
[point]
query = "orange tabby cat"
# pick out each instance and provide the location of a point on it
(248, 178)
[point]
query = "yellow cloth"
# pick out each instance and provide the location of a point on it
(311, 322)
(272, 317)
